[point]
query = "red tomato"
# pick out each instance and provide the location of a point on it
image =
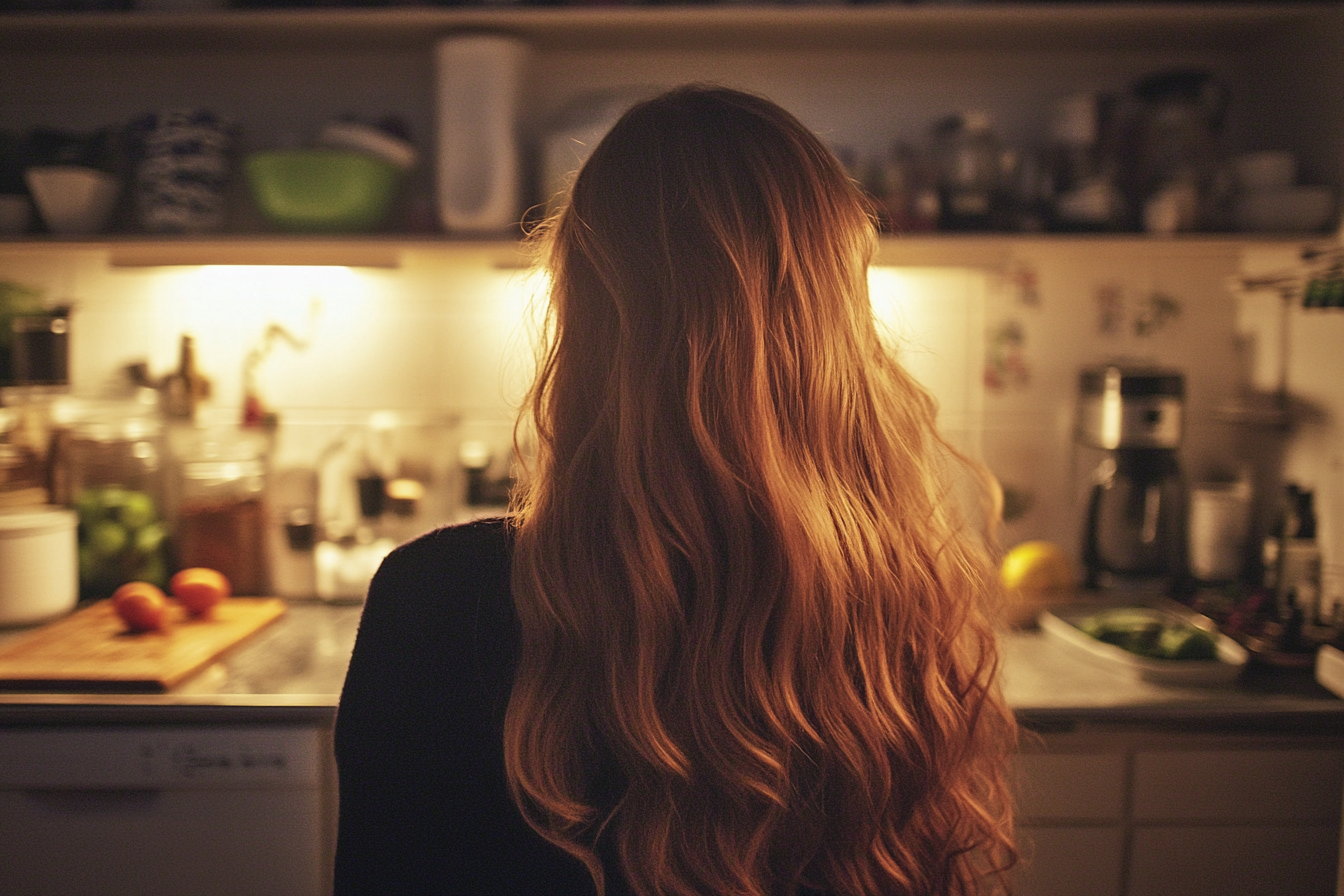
(199, 589)
(141, 606)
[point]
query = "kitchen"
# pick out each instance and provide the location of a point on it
(403, 336)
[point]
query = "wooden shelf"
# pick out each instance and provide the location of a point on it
(988, 250)
(1018, 26)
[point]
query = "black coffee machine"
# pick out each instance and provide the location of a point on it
(1135, 513)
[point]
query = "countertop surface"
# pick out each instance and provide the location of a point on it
(292, 671)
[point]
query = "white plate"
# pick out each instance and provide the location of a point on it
(1062, 623)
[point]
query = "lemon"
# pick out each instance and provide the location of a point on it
(1034, 567)
(1036, 574)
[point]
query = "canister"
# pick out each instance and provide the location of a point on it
(110, 471)
(221, 516)
(38, 568)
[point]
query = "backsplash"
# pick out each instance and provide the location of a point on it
(444, 344)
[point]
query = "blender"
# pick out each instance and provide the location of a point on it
(1134, 415)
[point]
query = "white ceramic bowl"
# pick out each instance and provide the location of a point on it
(72, 199)
(1294, 210)
(364, 138)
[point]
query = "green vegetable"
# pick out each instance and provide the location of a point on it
(1151, 635)
(120, 539)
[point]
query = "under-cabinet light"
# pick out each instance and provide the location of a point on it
(257, 253)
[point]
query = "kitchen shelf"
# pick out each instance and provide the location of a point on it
(371, 251)
(1017, 26)
(987, 250)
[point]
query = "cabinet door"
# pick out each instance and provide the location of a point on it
(161, 843)
(1233, 860)
(162, 811)
(1263, 785)
(1071, 787)
(1069, 861)
(1250, 822)
(1070, 809)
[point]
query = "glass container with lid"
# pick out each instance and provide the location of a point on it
(109, 469)
(221, 513)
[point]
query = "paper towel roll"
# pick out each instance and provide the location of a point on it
(478, 81)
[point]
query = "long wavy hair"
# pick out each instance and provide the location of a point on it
(757, 653)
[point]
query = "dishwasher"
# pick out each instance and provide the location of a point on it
(155, 810)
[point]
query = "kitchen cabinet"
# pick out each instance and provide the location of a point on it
(166, 809)
(1120, 780)
(1143, 814)
(863, 76)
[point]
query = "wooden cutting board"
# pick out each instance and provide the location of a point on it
(91, 648)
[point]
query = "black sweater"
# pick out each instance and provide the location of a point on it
(424, 807)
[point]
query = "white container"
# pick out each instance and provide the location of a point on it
(72, 199)
(478, 80)
(574, 135)
(39, 566)
(1220, 521)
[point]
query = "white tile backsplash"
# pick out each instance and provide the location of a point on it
(447, 341)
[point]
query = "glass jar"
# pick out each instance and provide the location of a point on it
(221, 509)
(110, 471)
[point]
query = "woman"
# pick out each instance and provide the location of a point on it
(733, 638)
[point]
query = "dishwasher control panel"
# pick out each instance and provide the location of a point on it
(184, 757)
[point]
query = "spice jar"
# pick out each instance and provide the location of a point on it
(221, 511)
(109, 469)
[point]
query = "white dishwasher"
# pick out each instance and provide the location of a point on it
(148, 810)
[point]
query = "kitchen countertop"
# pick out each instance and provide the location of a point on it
(292, 671)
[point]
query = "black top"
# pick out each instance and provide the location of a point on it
(424, 807)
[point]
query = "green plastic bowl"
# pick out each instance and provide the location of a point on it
(322, 190)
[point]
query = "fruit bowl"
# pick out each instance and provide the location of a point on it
(322, 190)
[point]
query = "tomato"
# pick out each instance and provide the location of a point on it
(199, 589)
(141, 606)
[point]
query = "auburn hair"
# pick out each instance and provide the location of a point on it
(757, 652)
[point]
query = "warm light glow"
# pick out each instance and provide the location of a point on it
(1112, 410)
(890, 293)
(227, 308)
(934, 320)
(522, 299)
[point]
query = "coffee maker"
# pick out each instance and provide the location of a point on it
(1134, 416)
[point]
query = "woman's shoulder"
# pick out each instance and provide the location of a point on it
(445, 578)
(456, 554)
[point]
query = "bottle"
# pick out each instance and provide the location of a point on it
(1293, 558)
(186, 388)
(1084, 192)
(968, 164)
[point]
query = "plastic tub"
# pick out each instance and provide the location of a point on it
(39, 574)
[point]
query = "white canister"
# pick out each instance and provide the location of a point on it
(1220, 518)
(478, 81)
(39, 565)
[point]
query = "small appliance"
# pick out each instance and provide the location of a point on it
(1134, 416)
